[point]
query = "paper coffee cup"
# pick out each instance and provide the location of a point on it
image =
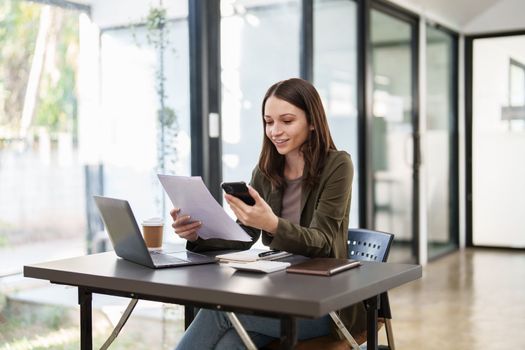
(152, 231)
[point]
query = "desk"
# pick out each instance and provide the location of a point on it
(278, 294)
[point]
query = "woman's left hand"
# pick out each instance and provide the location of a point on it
(259, 215)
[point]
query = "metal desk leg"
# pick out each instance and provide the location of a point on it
(245, 337)
(288, 332)
(342, 328)
(120, 324)
(371, 305)
(189, 315)
(86, 334)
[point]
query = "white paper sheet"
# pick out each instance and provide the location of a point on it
(252, 255)
(193, 198)
(260, 266)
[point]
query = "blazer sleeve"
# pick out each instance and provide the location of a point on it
(204, 245)
(330, 214)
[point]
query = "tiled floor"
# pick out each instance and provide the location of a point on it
(473, 299)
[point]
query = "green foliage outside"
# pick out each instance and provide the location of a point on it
(49, 327)
(55, 109)
(57, 95)
(38, 327)
(56, 102)
(18, 31)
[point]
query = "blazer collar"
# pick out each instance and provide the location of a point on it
(275, 201)
(305, 193)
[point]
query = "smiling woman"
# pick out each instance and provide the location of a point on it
(302, 189)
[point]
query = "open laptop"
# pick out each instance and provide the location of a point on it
(128, 242)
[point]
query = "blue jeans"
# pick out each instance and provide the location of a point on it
(213, 330)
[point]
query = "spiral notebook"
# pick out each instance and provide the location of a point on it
(323, 266)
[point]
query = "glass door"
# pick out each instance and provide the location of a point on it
(394, 122)
(440, 161)
(335, 77)
(252, 59)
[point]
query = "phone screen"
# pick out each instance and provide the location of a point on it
(239, 190)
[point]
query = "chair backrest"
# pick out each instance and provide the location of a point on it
(371, 245)
(364, 244)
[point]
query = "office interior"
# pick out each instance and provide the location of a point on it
(427, 96)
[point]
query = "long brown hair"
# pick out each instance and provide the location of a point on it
(315, 150)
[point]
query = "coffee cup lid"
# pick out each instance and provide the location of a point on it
(153, 222)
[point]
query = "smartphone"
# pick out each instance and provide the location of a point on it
(239, 190)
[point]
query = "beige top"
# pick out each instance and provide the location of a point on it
(291, 208)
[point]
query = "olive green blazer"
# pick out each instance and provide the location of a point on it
(322, 231)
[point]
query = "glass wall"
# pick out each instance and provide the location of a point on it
(259, 46)
(498, 142)
(84, 99)
(135, 148)
(42, 211)
(438, 163)
(392, 131)
(335, 76)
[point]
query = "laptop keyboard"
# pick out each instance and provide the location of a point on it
(160, 258)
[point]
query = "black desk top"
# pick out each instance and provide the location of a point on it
(278, 292)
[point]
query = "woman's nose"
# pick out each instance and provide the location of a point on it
(276, 130)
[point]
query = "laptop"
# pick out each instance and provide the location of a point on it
(129, 244)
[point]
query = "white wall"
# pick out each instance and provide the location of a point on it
(506, 15)
(426, 11)
(498, 165)
(468, 16)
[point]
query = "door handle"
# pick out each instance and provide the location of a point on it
(417, 144)
(408, 150)
(412, 150)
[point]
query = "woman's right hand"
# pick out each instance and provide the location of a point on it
(184, 227)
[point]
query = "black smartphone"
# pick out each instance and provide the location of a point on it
(239, 190)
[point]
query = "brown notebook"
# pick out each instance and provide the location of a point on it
(323, 266)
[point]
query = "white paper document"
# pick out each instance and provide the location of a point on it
(193, 198)
(253, 255)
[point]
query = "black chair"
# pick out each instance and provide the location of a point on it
(363, 245)
(370, 245)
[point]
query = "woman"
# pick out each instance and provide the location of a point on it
(302, 189)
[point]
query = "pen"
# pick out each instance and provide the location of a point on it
(270, 252)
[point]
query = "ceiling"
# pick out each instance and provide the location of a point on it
(458, 12)
(459, 15)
